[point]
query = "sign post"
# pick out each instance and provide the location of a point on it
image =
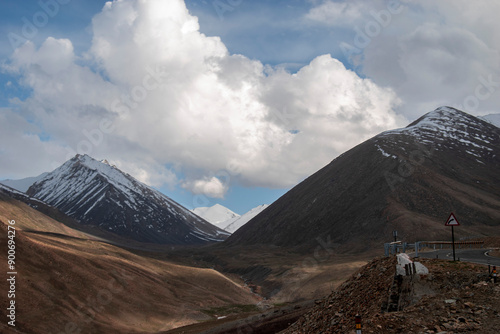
(452, 221)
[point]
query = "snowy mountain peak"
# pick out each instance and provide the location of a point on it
(444, 117)
(74, 168)
(226, 219)
(104, 161)
(442, 120)
(235, 223)
(444, 130)
(96, 193)
(215, 214)
(450, 128)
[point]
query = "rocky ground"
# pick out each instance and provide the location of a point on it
(454, 297)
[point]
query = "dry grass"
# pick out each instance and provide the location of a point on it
(310, 280)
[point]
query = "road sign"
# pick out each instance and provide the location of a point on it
(452, 221)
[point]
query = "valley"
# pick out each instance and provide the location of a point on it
(109, 254)
(99, 287)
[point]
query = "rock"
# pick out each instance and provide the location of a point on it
(437, 328)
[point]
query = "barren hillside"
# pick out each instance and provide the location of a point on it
(454, 297)
(67, 280)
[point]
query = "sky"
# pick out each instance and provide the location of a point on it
(231, 101)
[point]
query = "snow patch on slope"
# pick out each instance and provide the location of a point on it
(448, 126)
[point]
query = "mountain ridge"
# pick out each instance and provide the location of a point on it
(99, 194)
(406, 179)
(492, 118)
(232, 225)
(23, 184)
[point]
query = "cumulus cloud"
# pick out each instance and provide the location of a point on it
(430, 53)
(208, 186)
(160, 98)
(438, 65)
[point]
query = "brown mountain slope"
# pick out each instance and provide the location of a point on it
(408, 179)
(67, 282)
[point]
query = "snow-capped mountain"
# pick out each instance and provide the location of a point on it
(447, 130)
(226, 219)
(235, 223)
(96, 193)
(493, 119)
(408, 179)
(216, 214)
(23, 184)
(14, 193)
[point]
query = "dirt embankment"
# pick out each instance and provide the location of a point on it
(454, 297)
(494, 243)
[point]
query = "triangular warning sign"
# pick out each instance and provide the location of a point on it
(452, 221)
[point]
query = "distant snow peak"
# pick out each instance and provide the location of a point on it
(215, 214)
(23, 185)
(492, 119)
(236, 223)
(226, 219)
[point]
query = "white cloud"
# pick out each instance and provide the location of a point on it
(164, 94)
(335, 13)
(433, 53)
(147, 171)
(22, 145)
(208, 186)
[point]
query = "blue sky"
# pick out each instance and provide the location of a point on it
(271, 31)
(231, 102)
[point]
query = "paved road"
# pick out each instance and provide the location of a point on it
(469, 255)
